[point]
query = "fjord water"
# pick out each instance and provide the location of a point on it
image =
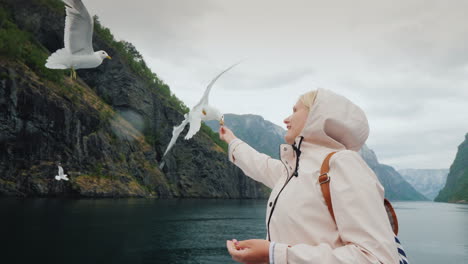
(188, 231)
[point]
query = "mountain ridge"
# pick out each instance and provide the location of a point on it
(456, 186)
(396, 187)
(108, 129)
(427, 181)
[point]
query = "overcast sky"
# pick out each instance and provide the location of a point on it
(405, 63)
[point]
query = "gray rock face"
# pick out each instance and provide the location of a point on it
(426, 181)
(109, 130)
(261, 134)
(396, 187)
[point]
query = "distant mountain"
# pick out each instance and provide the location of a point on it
(261, 134)
(456, 187)
(396, 187)
(266, 137)
(428, 182)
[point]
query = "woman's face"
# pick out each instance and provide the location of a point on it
(295, 122)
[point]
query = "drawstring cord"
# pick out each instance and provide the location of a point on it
(298, 154)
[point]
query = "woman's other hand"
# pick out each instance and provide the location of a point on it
(253, 251)
(226, 134)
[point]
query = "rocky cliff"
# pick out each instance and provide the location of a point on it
(426, 181)
(108, 129)
(456, 187)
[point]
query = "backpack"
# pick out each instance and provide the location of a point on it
(324, 180)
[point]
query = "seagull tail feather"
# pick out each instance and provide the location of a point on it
(58, 60)
(162, 165)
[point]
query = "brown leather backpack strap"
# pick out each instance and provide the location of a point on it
(391, 216)
(324, 181)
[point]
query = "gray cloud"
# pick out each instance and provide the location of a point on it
(404, 62)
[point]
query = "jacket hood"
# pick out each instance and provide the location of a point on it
(335, 122)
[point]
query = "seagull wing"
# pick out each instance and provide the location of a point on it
(204, 99)
(195, 124)
(175, 134)
(60, 172)
(78, 28)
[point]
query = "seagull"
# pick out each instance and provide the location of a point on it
(201, 111)
(78, 52)
(60, 175)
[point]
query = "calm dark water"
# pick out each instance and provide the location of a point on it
(187, 231)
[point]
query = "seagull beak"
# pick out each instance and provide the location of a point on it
(221, 122)
(109, 57)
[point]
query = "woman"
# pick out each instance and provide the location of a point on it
(300, 229)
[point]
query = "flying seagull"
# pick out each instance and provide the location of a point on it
(60, 175)
(78, 52)
(201, 111)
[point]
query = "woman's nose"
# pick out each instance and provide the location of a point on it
(286, 120)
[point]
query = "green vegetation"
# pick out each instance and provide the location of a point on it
(152, 138)
(137, 64)
(56, 5)
(214, 136)
(7, 184)
(458, 193)
(456, 188)
(4, 76)
(98, 171)
(20, 45)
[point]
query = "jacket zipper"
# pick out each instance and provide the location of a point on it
(276, 198)
(297, 154)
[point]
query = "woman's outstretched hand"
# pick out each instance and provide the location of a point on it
(226, 134)
(253, 251)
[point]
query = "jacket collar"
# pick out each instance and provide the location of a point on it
(288, 154)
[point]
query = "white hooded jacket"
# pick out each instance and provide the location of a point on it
(297, 217)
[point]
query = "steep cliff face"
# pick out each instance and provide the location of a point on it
(426, 181)
(45, 123)
(108, 129)
(261, 134)
(456, 187)
(396, 188)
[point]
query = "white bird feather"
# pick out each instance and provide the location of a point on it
(79, 27)
(61, 175)
(78, 52)
(201, 111)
